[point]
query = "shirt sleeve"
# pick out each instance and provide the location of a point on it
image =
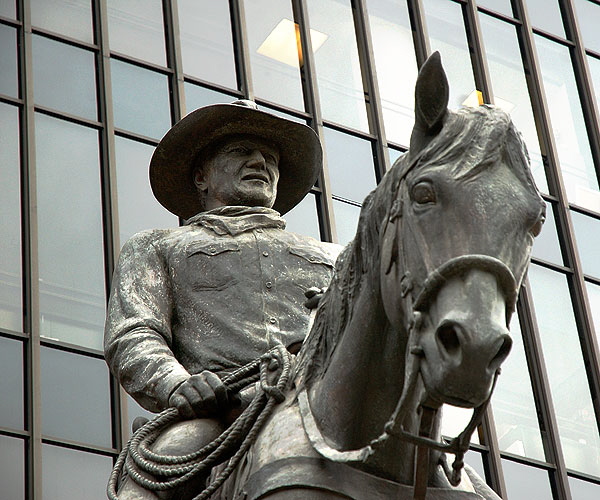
(137, 336)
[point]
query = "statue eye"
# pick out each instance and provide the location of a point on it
(423, 193)
(237, 149)
(536, 229)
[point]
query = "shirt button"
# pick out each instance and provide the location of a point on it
(268, 284)
(265, 254)
(272, 321)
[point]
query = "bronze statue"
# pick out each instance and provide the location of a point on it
(191, 304)
(415, 316)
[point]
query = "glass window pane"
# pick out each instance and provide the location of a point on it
(546, 245)
(566, 371)
(593, 291)
(140, 99)
(583, 490)
(8, 9)
(206, 42)
(545, 15)
(396, 69)
(72, 18)
(11, 383)
(197, 96)
(303, 218)
(138, 209)
(594, 65)
(588, 15)
(510, 87)
(274, 51)
(446, 29)
(75, 397)
(65, 78)
(525, 483)
(60, 467)
(576, 162)
(11, 310)
(455, 420)
(136, 28)
(587, 234)
(135, 410)
(12, 468)
(346, 220)
(514, 408)
(394, 155)
(350, 164)
(340, 85)
(502, 6)
(71, 257)
(8, 61)
(475, 460)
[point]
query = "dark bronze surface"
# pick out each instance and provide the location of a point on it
(415, 316)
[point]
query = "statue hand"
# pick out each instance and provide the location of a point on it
(201, 395)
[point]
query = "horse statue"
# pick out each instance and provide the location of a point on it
(415, 317)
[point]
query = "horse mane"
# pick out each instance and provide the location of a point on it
(471, 140)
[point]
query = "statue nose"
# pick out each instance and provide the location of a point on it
(485, 346)
(257, 160)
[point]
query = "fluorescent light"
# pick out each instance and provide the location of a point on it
(475, 99)
(283, 43)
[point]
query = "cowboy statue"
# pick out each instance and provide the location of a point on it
(191, 304)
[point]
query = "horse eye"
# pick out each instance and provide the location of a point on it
(423, 193)
(537, 227)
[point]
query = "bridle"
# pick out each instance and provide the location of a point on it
(414, 302)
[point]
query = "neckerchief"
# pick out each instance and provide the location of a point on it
(234, 220)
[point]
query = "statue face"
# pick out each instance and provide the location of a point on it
(243, 170)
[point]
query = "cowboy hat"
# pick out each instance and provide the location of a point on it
(181, 149)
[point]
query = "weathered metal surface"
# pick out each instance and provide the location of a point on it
(415, 317)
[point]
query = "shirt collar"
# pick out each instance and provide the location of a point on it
(234, 220)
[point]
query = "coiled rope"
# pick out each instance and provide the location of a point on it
(171, 471)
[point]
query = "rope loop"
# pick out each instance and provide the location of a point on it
(157, 472)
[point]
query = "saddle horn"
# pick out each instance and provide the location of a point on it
(431, 103)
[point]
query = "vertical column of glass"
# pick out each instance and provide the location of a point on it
(513, 403)
(396, 66)
(576, 183)
(340, 85)
(447, 35)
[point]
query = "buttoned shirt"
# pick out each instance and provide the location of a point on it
(211, 295)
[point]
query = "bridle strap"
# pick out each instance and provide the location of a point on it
(462, 263)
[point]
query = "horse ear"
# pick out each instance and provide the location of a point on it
(431, 102)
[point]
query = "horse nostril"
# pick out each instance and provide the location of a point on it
(448, 337)
(502, 352)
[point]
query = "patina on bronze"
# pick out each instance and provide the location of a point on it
(415, 316)
(190, 305)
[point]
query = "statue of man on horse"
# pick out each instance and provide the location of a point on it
(190, 305)
(415, 314)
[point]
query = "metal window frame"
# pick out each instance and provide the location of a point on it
(32, 342)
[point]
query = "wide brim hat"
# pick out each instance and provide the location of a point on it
(180, 150)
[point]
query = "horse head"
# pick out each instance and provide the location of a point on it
(456, 241)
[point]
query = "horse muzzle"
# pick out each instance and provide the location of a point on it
(463, 339)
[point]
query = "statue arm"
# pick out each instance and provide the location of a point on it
(138, 337)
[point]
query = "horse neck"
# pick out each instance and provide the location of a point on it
(358, 392)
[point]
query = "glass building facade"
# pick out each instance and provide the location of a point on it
(87, 89)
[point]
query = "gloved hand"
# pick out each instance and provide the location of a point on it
(200, 396)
